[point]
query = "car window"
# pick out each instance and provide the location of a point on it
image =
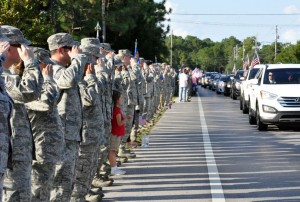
(282, 76)
(253, 73)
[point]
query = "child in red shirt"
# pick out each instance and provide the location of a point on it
(117, 131)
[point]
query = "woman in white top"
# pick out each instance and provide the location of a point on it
(183, 82)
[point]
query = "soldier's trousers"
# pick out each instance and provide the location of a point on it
(146, 109)
(104, 167)
(135, 128)
(17, 182)
(87, 157)
(129, 122)
(42, 181)
(65, 174)
(1, 184)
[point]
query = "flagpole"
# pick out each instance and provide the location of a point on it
(171, 48)
(135, 45)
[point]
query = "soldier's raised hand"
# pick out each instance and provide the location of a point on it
(25, 53)
(75, 50)
(4, 46)
(47, 71)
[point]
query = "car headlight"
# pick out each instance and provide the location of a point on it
(228, 85)
(269, 109)
(267, 95)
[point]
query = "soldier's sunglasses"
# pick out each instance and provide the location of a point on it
(67, 47)
(16, 45)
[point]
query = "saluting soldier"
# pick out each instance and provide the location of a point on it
(67, 72)
(47, 130)
(6, 105)
(22, 88)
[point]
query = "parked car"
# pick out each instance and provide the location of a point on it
(236, 84)
(275, 96)
(221, 83)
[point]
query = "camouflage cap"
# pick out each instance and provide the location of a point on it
(107, 47)
(91, 49)
(91, 41)
(59, 40)
(90, 58)
(117, 61)
(124, 52)
(42, 55)
(3, 38)
(14, 34)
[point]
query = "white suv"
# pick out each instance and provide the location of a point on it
(275, 96)
(245, 88)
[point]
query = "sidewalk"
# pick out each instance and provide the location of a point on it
(173, 168)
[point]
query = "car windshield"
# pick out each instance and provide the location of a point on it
(223, 78)
(282, 76)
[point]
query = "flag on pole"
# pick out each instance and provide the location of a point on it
(136, 53)
(246, 62)
(234, 69)
(255, 60)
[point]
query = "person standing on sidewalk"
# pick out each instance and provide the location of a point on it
(117, 131)
(183, 82)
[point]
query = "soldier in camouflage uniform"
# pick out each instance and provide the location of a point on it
(70, 109)
(148, 75)
(156, 89)
(92, 127)
(125, 56)
(168, 85)
(22, 89)
(6, 105)
(47, 131)
(139, 83)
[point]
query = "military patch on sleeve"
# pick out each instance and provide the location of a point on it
(9, 83)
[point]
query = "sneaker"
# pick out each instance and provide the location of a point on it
(118, 171)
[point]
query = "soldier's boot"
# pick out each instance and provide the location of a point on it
(105, 169)
(97, 191)
(122, 159)
(100, 182)
(92, 198)
(124, 153)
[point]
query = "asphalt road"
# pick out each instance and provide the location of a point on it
(205, 150)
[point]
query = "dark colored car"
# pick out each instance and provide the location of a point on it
(227, 84)
(215, 82)
(236, 84)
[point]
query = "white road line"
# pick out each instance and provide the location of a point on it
(213, 174)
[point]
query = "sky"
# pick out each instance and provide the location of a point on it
(218, 27)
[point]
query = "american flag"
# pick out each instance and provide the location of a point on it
(255, 60)
(246, 62)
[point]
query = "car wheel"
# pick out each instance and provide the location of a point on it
(260, 125)
(244, 106)
(233, 95)
(252, 119)
(241, 104)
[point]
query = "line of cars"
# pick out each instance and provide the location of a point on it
(228, 84)
(269, 93)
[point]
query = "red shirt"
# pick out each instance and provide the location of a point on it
(115, 129)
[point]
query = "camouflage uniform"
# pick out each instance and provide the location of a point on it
(156, 89)
(47, 134)
(17, 182)
(168, 85)
(70, 112)
(138, 79)
(5, 129)
(93, 125)
(148, 75)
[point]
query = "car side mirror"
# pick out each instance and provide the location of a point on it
(254, 81)
(242, 78)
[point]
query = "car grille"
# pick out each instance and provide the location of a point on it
(289, 101)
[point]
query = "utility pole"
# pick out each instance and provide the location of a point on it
(103, 21)
(171, 63)
(276, 37)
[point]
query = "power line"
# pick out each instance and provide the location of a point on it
(235, 24)
(240, 14)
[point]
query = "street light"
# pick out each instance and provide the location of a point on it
(98, 28)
